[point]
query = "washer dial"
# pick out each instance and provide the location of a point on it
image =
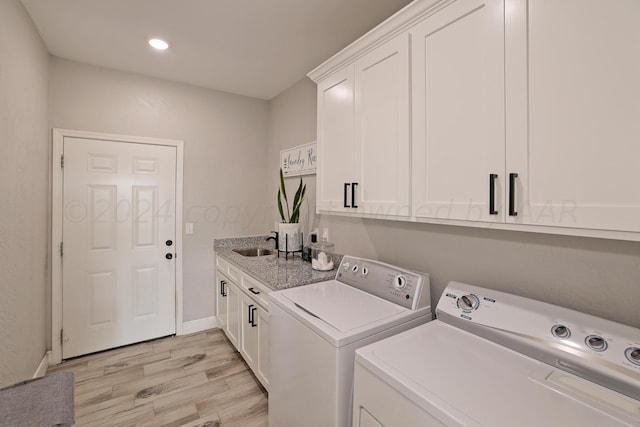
(468, 302)
(399, 282)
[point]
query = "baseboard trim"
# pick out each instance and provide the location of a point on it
(43, 366)
(198, 325)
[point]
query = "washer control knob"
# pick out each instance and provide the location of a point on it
(399, 282)
(345, 266)
(561, 331)
(355, 268)
(633, 355)
(596, 342)
(468, 302)
(364, 271)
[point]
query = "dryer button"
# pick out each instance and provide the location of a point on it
(633, 355)
(561, 331)
(596, 343)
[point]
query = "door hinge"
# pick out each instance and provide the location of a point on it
(61, 248)
(61, 337)
(62, 160)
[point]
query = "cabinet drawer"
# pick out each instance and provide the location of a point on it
(233, 273)
(228, 269)
(221, 264)
(255, 290)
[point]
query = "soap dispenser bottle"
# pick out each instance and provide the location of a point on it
(306, 251)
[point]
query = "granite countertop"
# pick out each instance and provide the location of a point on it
(275, 272)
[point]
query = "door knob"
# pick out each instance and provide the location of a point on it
(168, 256)
(169, 242)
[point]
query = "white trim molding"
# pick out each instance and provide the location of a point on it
(401, 21)
(198, 325)
(58, 136)
(41, 371)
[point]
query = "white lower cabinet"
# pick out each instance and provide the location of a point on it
(233, 312)
(243, 315)
(222, 299)
(249, 330)
(254, 343)
(262, 366)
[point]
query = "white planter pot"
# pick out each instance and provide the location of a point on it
(289, 237)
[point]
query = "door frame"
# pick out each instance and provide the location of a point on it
(55, 357)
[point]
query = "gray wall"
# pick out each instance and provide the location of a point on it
(224, 153)
(596, 276)
(24, 188)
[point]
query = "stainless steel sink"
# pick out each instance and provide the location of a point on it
(254, 252)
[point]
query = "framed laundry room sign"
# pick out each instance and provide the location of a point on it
(300, 160)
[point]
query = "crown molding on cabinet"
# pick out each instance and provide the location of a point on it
(397, 23)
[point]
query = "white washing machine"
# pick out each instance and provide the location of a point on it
(495, 359)
(315, 329)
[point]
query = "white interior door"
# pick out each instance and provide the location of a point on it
(119, 228)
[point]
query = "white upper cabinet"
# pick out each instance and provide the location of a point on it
(382, 149)
(512, 114)
(458, 113)
(363, 134)
(336, 142)
(573, 112)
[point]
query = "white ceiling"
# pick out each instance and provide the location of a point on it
(256, 48)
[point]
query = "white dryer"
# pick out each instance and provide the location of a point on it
(315, 329)
(495, 359)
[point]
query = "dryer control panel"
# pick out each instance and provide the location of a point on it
(403, 287)
(588, 346)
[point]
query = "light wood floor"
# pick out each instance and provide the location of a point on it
(191, 380)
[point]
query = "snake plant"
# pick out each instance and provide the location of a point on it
(292, 216)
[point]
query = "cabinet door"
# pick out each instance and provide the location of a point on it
(249, 330)
(262, 371)
(458, 112)
(573, 115)
(335, 140)
(233, 313)
(382, 150)
(221, 299)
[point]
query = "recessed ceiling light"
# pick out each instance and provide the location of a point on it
(158, 44)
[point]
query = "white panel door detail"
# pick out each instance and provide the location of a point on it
(335, 140)
(458, 112)
(222, 284)
(249, 330)
(262, 372)
(573, 115)
(382, 166)
(233, 313)
(118, 285)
